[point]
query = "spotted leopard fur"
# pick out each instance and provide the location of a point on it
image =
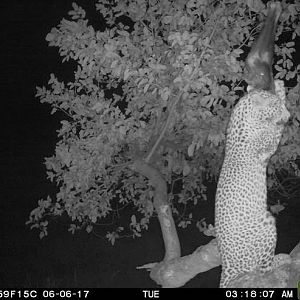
(245, 229)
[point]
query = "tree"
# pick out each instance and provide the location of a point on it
(147, 111)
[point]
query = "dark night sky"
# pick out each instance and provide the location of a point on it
(28, 135)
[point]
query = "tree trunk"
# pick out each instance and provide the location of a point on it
(179, 271)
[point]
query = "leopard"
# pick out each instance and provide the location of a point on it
(245, 229)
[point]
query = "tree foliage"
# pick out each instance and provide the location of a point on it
(157, 85)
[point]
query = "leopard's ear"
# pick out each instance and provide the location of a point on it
(250, 88)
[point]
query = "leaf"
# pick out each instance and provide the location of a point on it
(133, 220)
(276, 208)
(165, 93)
(50, 37)
(186, 170)
(238, 51)
(290, 44)
(146, 87)
(89, 228)
(191, 149)
(167, 19)
(126, 74)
